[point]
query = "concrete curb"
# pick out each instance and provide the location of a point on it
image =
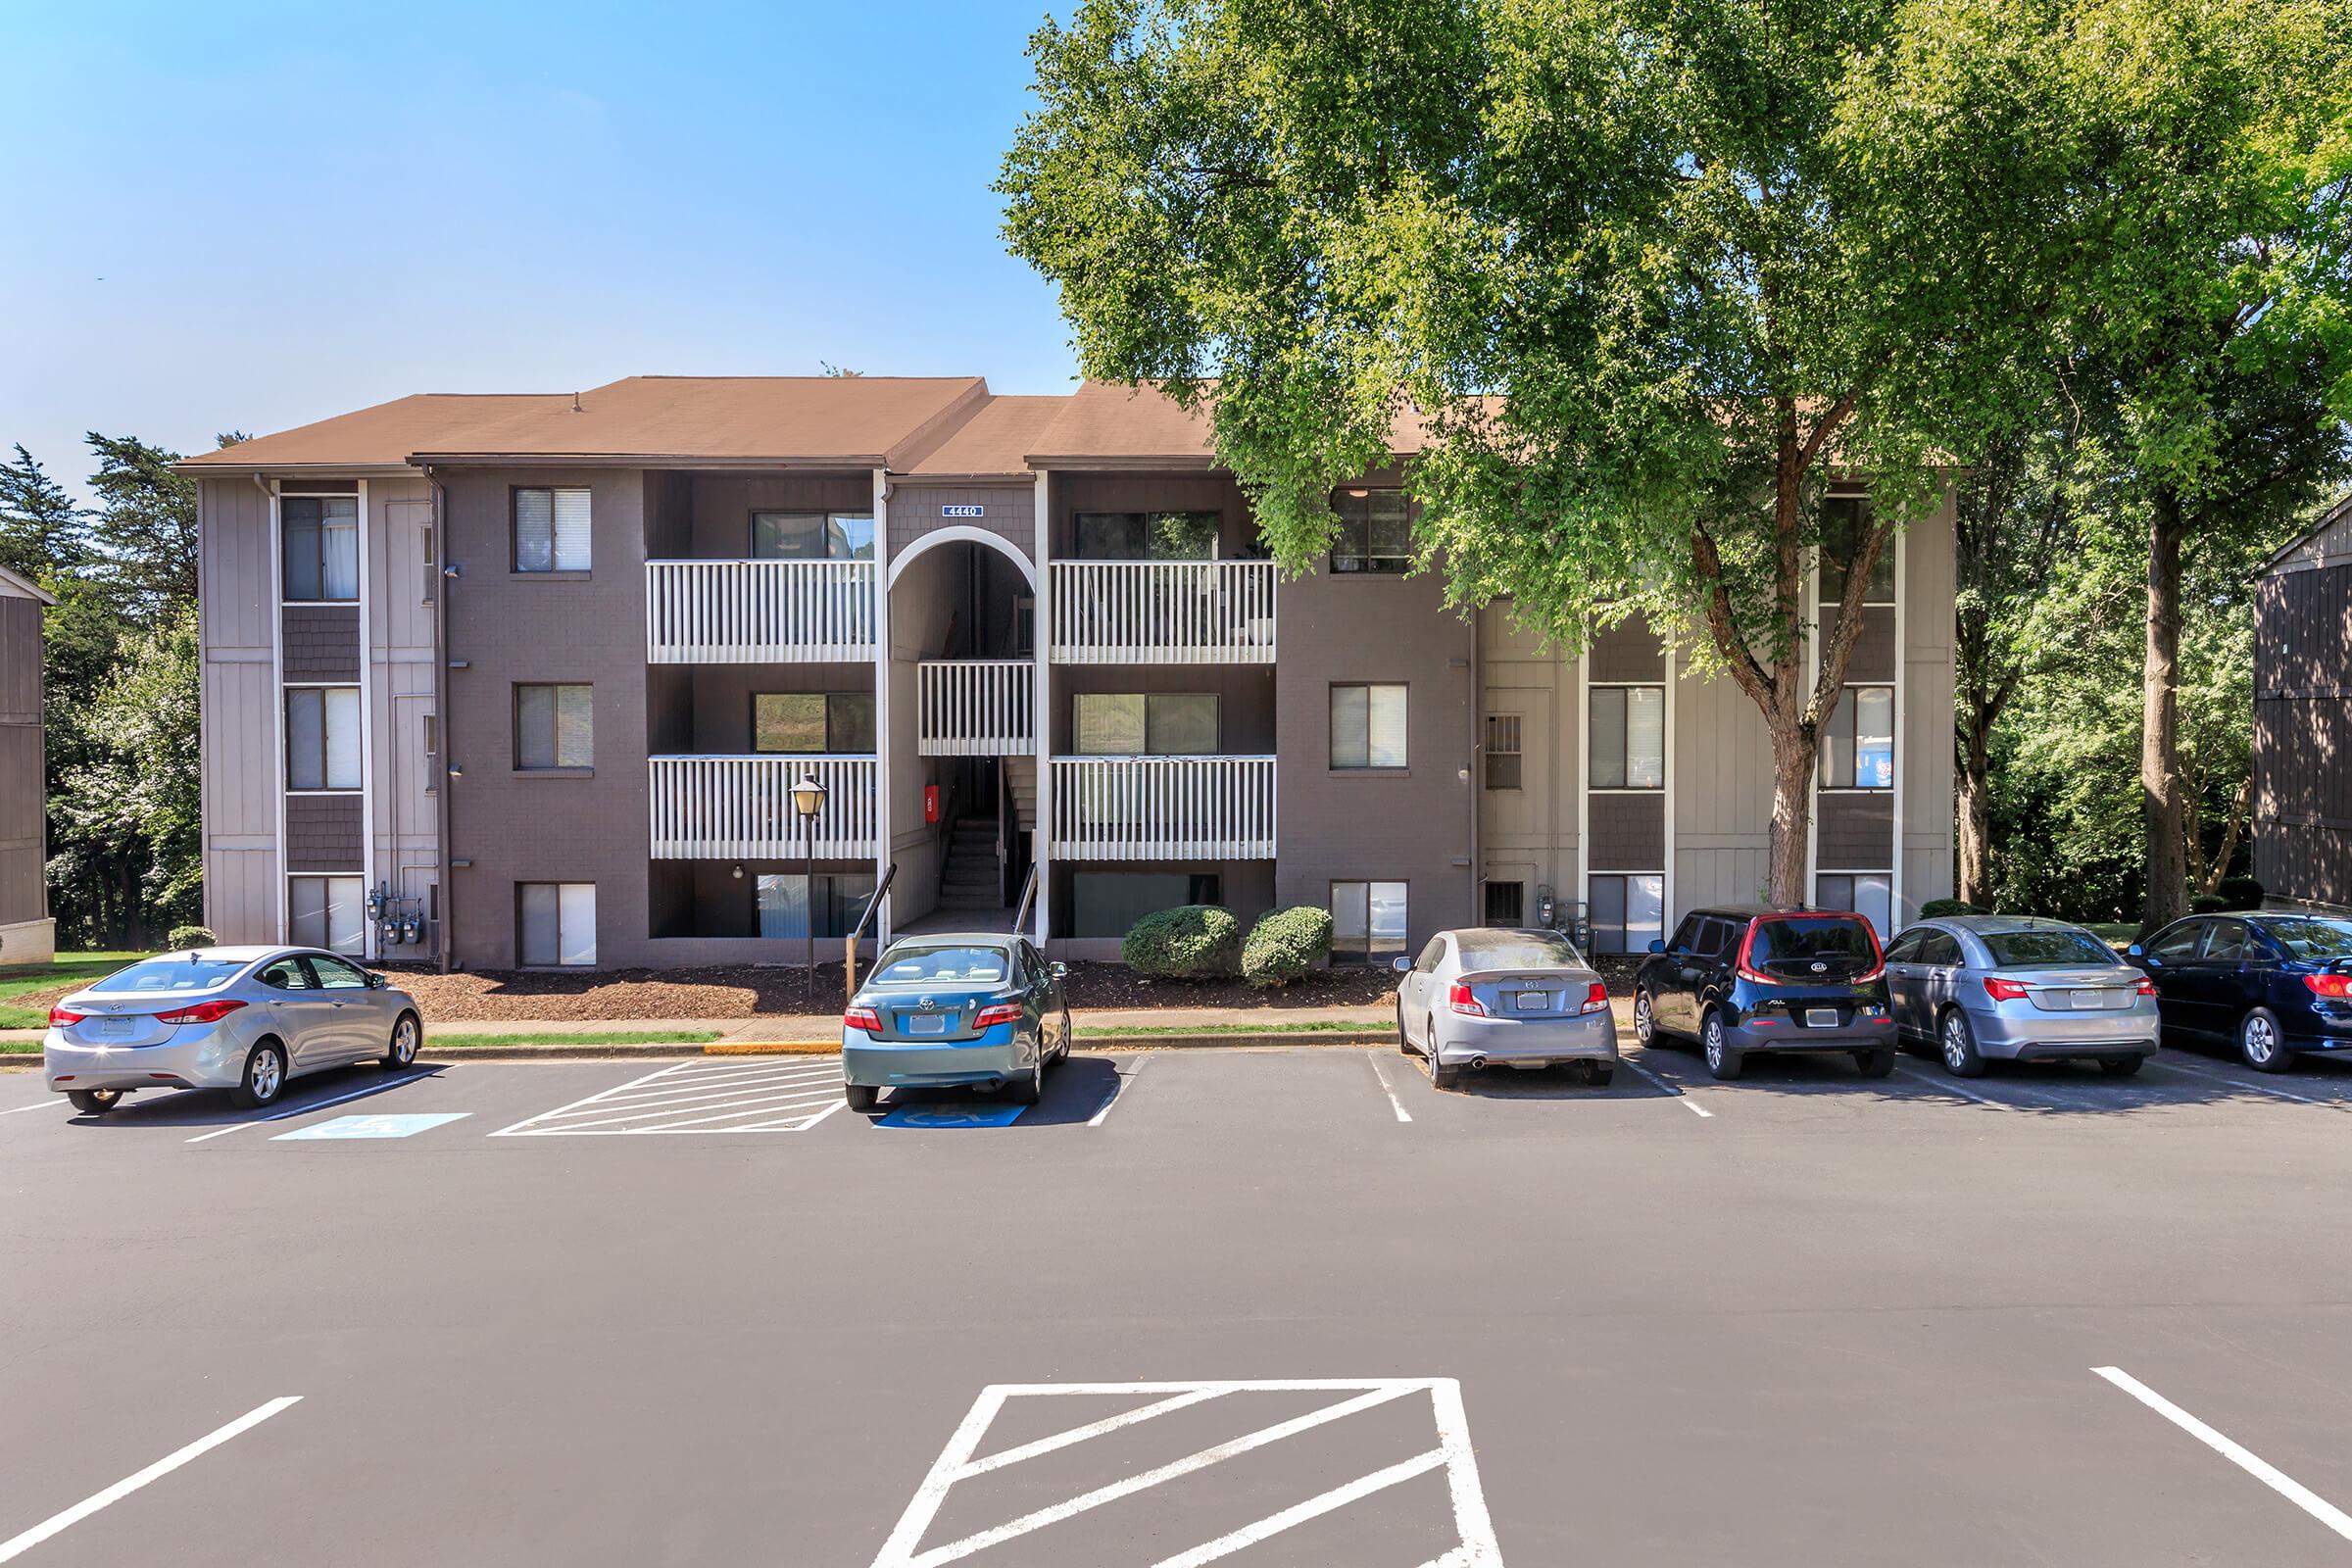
(453, 1048)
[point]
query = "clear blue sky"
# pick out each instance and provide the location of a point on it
(299, 209)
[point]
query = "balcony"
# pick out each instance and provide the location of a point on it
(759, 612)
(976, 708)
(1162, 613)
(1163, 808)
(740, 808)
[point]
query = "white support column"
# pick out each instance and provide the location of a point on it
(1666, 912)
(1041, 640)
(1812, 679)
(367, 791)
(278, 700)
(1902, 775)
(883, 771)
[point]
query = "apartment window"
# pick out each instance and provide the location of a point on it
(1507, 903)
(1367, 921)
(783, 904)
(813, 535)
(551, 529)
(1502, 751)
(554, 728)
(1869, 894)
(1375, 531)
(322, 737)
(320, 540)
(1368, 726)
(1857, 750)
(1145, 723)
(1147, 535)
(326, 912)
(429, 554)
(1845, 522)
(839, 722)
(432, 736)
(556, 923)
(1628, 728)
(1628, 912)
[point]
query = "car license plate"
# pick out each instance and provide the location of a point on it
(1821, 1017)
(1532, 1001)
(2091, 999)
(113, 1026)
(926, 1024)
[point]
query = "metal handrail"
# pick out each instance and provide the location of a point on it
(865, 919)
(1020, 912)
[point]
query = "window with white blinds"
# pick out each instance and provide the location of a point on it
(1368, 726)
(323, 738)
(555, 726)
(551, 529)
(1628, 737)
(557, 923)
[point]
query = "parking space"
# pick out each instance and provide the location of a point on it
(707, 1095)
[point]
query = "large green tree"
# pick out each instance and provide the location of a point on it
(1649, 271)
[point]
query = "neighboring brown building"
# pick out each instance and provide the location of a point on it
(27, 933)
(542, 670)
(2303, 717)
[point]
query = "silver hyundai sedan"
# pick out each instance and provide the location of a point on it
(2017, 988)
(244, 1019)
(1480, 998)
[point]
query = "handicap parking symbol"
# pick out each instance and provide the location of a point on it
(404, 1126)
(953, 1117)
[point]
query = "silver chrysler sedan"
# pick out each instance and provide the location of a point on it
(244, 1019)
(1480, 998)
(2018, 989)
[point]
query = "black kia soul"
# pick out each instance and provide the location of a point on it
(1749, 977)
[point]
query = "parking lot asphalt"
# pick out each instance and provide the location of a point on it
(1259, 1308)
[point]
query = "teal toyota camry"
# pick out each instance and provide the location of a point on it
(981, 1011)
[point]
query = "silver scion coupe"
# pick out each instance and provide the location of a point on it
(1481, 998)
(244, 1019)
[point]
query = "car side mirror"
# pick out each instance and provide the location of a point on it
(2133, 952)
(1059, 971)
(377, 982)
(1402, 965)
(1657, 945)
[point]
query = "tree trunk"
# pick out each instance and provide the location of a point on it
(2160, 720)
(1794, 756)
(1976, 814)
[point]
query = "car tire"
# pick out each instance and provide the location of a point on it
(94, 1101)
(1603, 1074)
(1069, 1032)
(1030, 1090)
(263, 1078)
(1404, 1036)
(861, 1097)
(1956, 1045)
(1874, 1063)
(1645, 1019)
(1441, 1075)
(2262, 1043)
(408, 1038)
(2121, 1066)
(1725, 1061)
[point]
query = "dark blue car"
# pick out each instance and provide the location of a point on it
(2272, 985)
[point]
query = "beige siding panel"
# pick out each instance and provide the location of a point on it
(240, 894)
(239, 709)
(233, 565)
(1705, 876)
(1927, 781)
(404, 835)
(1529, 834)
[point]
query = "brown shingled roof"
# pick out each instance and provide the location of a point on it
(996, 441)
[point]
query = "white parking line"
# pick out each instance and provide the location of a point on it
(2253, 1464)
(1117, 1088)
(1402, 1115)
(306, 1109)
(36, 1106)
(2241, 1083)
(1950, 1085)
(1676, 1090)
(760, 1096)
(16, 1545)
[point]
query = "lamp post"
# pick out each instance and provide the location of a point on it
(808, 798)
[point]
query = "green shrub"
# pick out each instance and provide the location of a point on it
(1190, 942)
(191, 936)
(1284, 944)
(2208, 903)
(1937, 909)
(2242, 892)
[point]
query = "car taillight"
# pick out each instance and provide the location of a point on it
(2147, 987)
(59, 1015)
(2330, 985)
(1459, 1000)
(864, 1018)
(200, 1012)
(2000, 990)
(1596, 997)
(995, 1014)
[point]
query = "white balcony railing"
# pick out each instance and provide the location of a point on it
(757, 611)
(1164, 612)
(740, 808)
(976, 708)
(1163, 808)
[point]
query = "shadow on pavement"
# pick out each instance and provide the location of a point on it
(1075, 1089)
(212, 1107)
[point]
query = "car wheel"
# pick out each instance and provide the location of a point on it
(1070, 1033)
(1874, 1063)
(1603, 1073)
(1646, 1023)
(2261, 1042)
(1724, 1060)
(1441, 1074)
(1404, 1036)
(1029, 1090)
(861, 1097)
(2120, 1067)
(264, 1077)
(1957, 1044)
(407, 1035)
(94, 1101)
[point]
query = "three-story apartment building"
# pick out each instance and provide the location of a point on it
(517, 681)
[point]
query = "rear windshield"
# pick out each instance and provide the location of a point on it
(180, 973)
(2045, 949)
(1516, 950)
(2308, 938)
(1839, 938)
(915, 966)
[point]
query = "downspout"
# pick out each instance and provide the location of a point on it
(446, 954)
